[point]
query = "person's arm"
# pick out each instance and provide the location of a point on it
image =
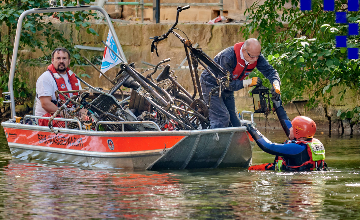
(227, 59)
(271, 74)
(288, 150)
(283, 118)
(267, 70)
(47, 105)
(45, 90)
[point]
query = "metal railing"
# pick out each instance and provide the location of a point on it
(122, 123)
(142, 5)
(56, 119)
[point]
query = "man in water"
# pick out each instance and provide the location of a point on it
(301, 153)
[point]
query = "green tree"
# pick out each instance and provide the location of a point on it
(301, 46)
(36, 28)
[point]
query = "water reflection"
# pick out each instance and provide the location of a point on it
(33, 189)
(44, 191)
(281, 195)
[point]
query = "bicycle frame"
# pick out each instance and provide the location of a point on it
(197, 56)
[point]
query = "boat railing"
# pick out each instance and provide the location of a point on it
(57, 119)
(247, 112)
(123, 123)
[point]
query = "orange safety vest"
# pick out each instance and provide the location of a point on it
(240, 64)
(60, 82)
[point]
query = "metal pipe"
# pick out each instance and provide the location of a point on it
(129, 3)
(127, 122)
(97, 69)
(144, 84)
(250, 113)
(191, 72)
(142, 10)
(13, 61)
(156, 11)
(117, 6)
(156, 7)
(90, 86)
(221, 6)
(191, 4)
(101, 3)
(197, 78)
(166, 4)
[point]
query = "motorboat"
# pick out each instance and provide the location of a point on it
(153, 149)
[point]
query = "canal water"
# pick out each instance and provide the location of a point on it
(47, 191)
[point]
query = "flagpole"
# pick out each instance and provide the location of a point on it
(98, 70)
(117, 42)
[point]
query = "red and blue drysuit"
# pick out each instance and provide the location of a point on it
(292, 155)
(222, 109)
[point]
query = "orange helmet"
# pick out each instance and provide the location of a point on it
(303, 127)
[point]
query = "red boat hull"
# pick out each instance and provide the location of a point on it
(152, 150)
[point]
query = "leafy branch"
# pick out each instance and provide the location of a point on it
(301, 46)
(35, 26)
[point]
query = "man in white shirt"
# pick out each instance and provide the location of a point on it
(57, 77)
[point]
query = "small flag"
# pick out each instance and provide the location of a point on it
(110, 59)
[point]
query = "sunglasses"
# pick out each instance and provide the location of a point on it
(251, 55)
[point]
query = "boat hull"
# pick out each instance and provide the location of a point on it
(152, 150)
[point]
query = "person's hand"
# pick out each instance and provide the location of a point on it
(226, 84)
(248, 127)
(275, 90)
(254, 81)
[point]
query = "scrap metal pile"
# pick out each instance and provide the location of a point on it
(154, 104)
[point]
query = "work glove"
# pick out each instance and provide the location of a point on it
(275, 90)
(254, 81)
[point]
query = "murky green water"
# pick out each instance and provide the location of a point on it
(43, 191)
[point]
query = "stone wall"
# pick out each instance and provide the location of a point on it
(135, 41)
(232, 9)
(136, 45)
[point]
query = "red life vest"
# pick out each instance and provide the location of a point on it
(316, 152)
(240, 64)
(60, 82)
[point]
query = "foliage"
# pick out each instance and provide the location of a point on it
(304, 51)
(35, 26)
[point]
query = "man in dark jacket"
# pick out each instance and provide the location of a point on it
(239, 60)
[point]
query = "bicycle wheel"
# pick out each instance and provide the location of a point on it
(181, 124)
(191, 114)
